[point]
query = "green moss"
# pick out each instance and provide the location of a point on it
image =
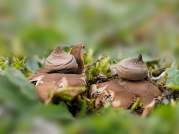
(100, 67)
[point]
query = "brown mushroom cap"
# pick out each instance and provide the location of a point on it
(125, 92)
(59, 61)
(48, 85)
(132, 69)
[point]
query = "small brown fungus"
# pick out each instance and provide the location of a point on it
(132, 69)
(129, 87)
(61, 74)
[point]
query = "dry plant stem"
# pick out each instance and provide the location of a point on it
(162, 75)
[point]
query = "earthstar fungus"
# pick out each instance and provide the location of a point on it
(61, 75)
(130, 85)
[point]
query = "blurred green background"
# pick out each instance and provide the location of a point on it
(119, 28)
(35, 26)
